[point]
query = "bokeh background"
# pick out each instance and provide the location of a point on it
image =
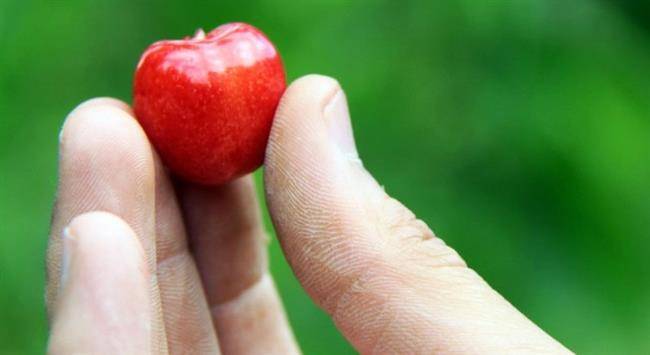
(518, 129)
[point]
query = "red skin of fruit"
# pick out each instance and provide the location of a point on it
(207, 103)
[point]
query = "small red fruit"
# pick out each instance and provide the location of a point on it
(207, 102)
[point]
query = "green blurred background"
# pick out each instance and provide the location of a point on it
(518, 129)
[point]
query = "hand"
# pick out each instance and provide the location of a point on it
(183, 269)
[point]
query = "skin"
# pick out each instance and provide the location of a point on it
(139, 264)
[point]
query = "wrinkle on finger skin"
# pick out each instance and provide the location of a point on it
(103, 158)
(389, 283)
(256, 311)
(171, 237)
(105, 163)
(95, 303)
(229, 244)
(312, 197)
(187, 318)
(186, 315)
(227, 237)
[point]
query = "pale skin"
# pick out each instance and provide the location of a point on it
(140, 264)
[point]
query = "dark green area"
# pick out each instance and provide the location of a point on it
(519, 130)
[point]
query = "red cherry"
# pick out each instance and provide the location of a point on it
(207, 102)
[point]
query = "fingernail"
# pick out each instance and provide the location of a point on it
(337, 118)
(67, 241)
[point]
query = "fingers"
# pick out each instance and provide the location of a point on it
(106, 163)
(390, 285)
(230, 248)
(100, 312)
(186, 314)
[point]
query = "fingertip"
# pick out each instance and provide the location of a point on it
(104, 101)
(316, 85)
(102, 115)
(97, 239)
(90, 105)
(99, 226)
(104, 285)
(100, 142)
(299, 126)
(308, 94)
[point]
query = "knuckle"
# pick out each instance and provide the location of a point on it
(414, 240)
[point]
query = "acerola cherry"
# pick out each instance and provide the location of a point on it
(207, 102)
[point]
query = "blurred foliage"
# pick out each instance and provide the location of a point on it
(519, 130)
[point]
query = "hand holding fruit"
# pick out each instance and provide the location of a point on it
(138, 264)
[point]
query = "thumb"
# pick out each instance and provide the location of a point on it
(389, 284)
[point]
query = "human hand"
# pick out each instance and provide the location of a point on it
(183, 269)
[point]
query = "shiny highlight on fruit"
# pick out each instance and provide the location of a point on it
(207, 102)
